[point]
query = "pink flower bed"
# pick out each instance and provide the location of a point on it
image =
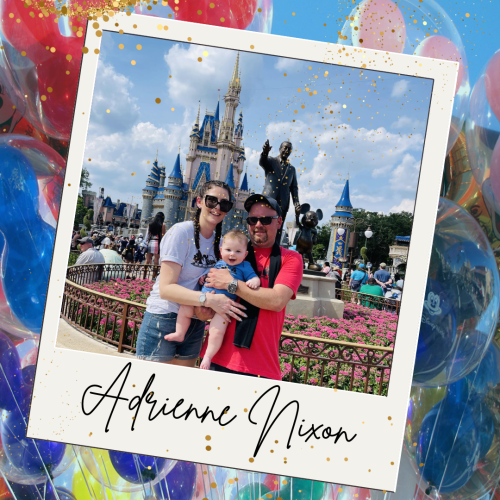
(137, 290)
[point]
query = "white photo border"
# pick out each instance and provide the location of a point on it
(371, 459)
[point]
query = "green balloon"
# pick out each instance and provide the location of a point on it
(302, 490)
(253, 491)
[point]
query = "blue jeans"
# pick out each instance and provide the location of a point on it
(152, 346)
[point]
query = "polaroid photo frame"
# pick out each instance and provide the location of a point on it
(227, 420)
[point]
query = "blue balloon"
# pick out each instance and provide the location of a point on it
(448, 446)
(27, 491)
(28, 373)
(180, 483)
(29, 240)
(483, 419)
(30, 456)
(438, 331)
(11, 379)
(138, 469)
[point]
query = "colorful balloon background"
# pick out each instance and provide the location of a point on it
(452, 438)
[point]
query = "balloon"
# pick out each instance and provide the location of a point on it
(138, 469)
(29, 240)
(10, 116)
(118, 471)
(179, 484)
(483, 420)
(30, 358)
(440, 47)
(28, 374)
(379, 25)
(448, 447)
(492, 83)
(271, 481)
(438, 331)
(412, 22)
(302, 489)
(32, 458)
(11, 380)
(462, 270)
(252, 491)
(495, 171)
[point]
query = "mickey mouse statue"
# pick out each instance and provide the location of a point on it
(308, 234)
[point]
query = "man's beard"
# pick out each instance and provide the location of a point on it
(259, 238)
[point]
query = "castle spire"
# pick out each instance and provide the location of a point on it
(244, 184)
(198, 115)
(235, 81)
(216, 116)
(344, 199)
(176, 171)
(230, 178)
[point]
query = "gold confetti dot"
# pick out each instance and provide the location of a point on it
(121, 31)
(200, 59)
(160, 27)
(208, 438)
(85, 50)
(95, 25)
(284, 481)
(252, 47)
(259, 10)
(139, 47)
(165, 28)
(11, 16)
(96, 51)
(205, 53)
(23, 53)
(157, 100)
(67, 72)
(52, 49)
(208, 448)
(467, 14)
(189, 38)
(369, 470)
(414, 444)
(392, 463)
(222, 19)
(420, 465)
(132, 63)
(43, 98)
(98, 33)
(49, 89)
(346, 459)
(251, 460)
(389, 418)
(328, 459)
(90, 433)
(341, 490)
(121, 46)
(213, 485)
(199, 12)
(172, 109)
(108, 111)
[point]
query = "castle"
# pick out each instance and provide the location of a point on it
(216, 152)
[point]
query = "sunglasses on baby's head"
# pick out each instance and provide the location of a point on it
(265, 221)
(213, 201)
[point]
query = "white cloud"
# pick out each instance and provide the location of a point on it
(112, 93)
(399, 88)
(403, 122)
(405, 175)
(285, 64)
(406, 205)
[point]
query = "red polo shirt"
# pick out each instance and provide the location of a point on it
(262, 358)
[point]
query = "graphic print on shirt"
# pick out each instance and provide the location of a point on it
(203, 260)
(263, 272)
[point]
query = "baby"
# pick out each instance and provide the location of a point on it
(233, 253)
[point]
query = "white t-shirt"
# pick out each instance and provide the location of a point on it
(178, 246)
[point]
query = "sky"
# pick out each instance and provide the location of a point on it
(367, 125)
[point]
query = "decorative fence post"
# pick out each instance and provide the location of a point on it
(123, 328)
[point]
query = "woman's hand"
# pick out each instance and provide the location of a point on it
(225, 307)
(218, 278)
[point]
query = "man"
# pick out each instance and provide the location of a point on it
(382, 277)
(281, 179)
(90, 255)
(251, 347)
(372, 288)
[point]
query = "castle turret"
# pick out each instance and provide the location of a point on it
(342, 219)
(230, 177)
(244, 184)
(216, 119)
(225, 144)
(149, 192)
(173, 194)
(194, 140)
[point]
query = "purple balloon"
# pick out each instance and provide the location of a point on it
(180, 483)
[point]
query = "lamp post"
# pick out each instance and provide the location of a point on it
(368, 235)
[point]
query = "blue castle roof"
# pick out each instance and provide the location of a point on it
(176, 171)
(203, 168)
(403, 238)
(154, 175)
(229, 177)
(208, 120)
(344, 199)
(108, 203)
(244, 184)
(239, 126)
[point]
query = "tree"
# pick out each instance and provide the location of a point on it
(84, 179)
(324, 232)
(80, 213)
(385, 229)
(319, 252)
(87, 220)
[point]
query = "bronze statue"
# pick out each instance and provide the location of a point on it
(281, 178)
(308, 234)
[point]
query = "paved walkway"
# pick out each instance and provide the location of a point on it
(68, 337)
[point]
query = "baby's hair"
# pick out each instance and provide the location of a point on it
(235, 234)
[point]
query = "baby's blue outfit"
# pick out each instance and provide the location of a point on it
(241, 272)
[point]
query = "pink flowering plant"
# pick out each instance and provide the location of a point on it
(104, 323)
(360, 325)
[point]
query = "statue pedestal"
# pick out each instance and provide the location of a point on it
(316, 297)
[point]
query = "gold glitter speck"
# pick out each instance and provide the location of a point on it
(85, 50)
(49, 89)
(157, 100)
(251, 460)
(208, 448)
(108, 111)
(189, 38)
(346, 459)
(252, 47)
(121, 46)
(200, 59)
(213, 485)
(43, 97)
(23, 53)
(208, 438)
(389, 418)
(139, 47)
(96, 51)
(132, 63)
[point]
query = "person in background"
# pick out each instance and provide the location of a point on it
(326, 268)
(123, 245)
(156, 230)
(89, 255)
(128, 254)
(371, 288)
(382, 277)
(358, 278)
(74, 240)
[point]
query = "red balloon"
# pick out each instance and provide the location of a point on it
(492, 83)
(272, 482)
(4, 490)
(57, 59)
(228, 13)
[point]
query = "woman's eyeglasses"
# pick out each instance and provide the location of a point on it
(265, 221)
(213, 201)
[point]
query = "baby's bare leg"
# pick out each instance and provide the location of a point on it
(182, 325)
(217, 330)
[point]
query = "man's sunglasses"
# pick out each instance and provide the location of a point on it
(265, 221)
(213, 201)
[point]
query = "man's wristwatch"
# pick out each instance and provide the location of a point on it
(233, 286)
(202, 298)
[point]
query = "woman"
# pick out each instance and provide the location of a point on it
(129, 251)
(326, 268)
(156, 231)
(188, 251)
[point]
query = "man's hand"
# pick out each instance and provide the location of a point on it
(253, 283)
(202, 279)
(266, 149)
(297, 209)
(218, 278)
